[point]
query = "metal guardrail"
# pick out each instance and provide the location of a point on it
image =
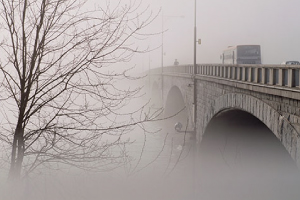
(281, 75)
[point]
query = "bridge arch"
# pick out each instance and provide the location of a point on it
(277, 123)
(175, 105)
(155, 94)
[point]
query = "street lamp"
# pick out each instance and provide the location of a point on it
(195, 39)
(195, 98)
(195, 69)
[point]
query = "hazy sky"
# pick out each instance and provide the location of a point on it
(273, 24)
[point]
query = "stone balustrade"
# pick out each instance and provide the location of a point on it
(280, 75)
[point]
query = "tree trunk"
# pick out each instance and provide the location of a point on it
(17, 154)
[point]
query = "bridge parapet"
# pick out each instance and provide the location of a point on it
(280, 75)
(271, 93)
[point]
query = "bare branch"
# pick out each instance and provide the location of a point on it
(67, 106)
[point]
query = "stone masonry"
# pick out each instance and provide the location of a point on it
(276, 107)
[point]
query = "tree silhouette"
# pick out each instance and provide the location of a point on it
(59, 102)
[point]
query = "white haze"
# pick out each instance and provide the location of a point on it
(273, 24)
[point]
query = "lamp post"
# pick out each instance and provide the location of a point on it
(195, 103)
(195, 70)
(195, 40)
(162, 42)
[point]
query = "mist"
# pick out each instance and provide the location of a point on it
(271, 24)
(238, 157)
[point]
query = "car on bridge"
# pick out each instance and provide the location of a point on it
(290, 63)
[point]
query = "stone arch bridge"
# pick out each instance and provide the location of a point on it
(271, 93)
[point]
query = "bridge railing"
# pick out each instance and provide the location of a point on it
(281, 75)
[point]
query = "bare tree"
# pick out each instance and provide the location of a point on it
(59, 102)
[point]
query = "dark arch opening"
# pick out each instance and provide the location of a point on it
(175, 108)
(244, 159)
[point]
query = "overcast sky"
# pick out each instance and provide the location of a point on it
(273, 24)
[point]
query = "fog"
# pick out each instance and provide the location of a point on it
(273, 24)
(238, 158)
